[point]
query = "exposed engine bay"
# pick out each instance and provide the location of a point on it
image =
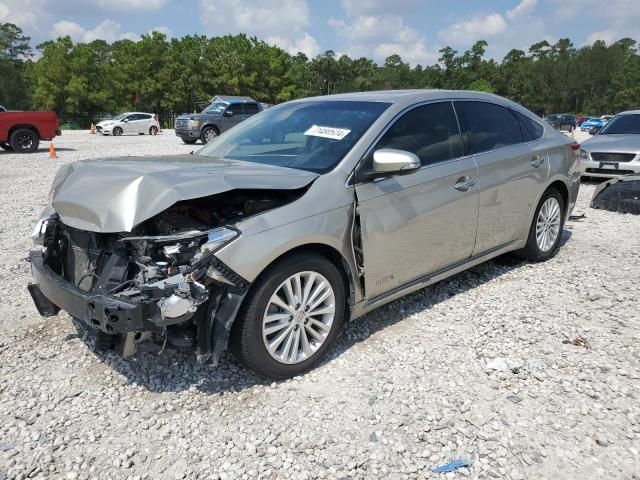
(156, 278)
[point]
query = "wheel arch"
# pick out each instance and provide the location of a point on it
(330, 253)
(210, 125)
(26, 126)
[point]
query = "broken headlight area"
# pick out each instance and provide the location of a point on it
(128, 285)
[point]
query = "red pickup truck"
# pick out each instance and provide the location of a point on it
(22, 131)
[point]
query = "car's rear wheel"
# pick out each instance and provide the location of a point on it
(208, 134)
(291, 317)
(544, 235)
(153, 130)
(117, 131)
(24, 140)
(189, 141)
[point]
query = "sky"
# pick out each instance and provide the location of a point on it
(415, 29)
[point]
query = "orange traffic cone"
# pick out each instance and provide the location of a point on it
(93, 129)
(52, 151)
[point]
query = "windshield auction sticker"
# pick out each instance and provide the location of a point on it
(327, 132)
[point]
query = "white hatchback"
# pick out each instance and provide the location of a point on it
(129, 123)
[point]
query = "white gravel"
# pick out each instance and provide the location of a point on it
(479, 367)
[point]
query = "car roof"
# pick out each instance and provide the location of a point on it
(630, 112)
(410, 97)
(232, 99)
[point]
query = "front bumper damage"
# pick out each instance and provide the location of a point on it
(202, 299)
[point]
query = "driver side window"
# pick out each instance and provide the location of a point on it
(429, 131)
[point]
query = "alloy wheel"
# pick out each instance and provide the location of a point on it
(210, 134)
(298, 317)
(548, 224)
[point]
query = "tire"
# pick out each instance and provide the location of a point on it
(24, 140)
(153, 130)
(117, 131)
(533, 250)
(6, 146)
(189, 141)
(208, 134)
(248, 339)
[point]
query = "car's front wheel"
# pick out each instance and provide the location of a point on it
(291, 317)
(544, 235)
(117, 131)
(208, 134)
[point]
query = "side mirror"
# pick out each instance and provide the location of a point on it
(228, 113)
(126, 120)
(397, 162)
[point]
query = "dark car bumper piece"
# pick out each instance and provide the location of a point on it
(112, 315)
(618, 195)
(187, 133)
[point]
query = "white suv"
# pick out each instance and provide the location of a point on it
(129, 123)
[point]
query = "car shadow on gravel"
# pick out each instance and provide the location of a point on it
(164, 371)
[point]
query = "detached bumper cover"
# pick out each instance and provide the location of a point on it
(102, 311)
(618, 195)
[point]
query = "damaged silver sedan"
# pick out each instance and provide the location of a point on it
(309, 214)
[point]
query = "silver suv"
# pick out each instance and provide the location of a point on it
(307, 215)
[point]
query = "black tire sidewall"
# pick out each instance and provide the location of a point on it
(117, 131)
(247, 342)
(13, 141)
(532, 251)
(203, 135)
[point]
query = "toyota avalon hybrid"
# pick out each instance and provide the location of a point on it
(306, 216)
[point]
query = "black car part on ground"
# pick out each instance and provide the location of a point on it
(618, 195)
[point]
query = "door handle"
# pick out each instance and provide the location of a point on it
(464, 183)
(537, 161)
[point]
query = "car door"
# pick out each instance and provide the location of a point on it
(237, 113)
(511, 171)
(127, 123)
(139, 123)
(250, 109)
(415, 224)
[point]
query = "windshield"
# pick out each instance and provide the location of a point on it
(217, 107)
(119, 117)
(313, 135)
(622, 125)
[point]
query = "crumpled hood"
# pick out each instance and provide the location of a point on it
(116, 194)
(613, 143)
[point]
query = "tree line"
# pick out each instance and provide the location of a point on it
(83, 82)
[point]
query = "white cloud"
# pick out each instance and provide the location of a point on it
(380, 36)
(255, 17)
(108, 30)
(280, 23)
(609, 36)
(525, 7)
(481, 27)
(306, 44)
(4, 11)
(162, 29)
(128, 5)
(355, 8)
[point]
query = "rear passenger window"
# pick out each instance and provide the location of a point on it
(531, 129)
(236, 108)
(430, 131)
(489, 126)
(250, 108)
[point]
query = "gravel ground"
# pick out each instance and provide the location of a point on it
(480, 367)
